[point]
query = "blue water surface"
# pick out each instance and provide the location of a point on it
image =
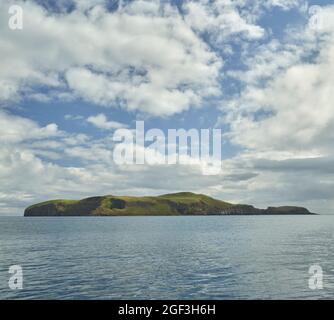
(208, 257)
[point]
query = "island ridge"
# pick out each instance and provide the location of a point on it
(176, 204)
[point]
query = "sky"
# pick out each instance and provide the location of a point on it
(78, 70)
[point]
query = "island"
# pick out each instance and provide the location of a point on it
(176, 204)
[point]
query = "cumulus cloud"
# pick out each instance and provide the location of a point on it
(292, 111)
(146, 56)
(17, 129)
(100, 121)
(222, 20)
(142, 56)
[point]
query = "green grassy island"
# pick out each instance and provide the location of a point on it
(177, 204)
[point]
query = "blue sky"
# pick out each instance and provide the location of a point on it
(78, 70)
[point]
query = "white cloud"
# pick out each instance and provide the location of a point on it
(295, 101)
(100, 121)
(285, 4)
(142, 57)
(222, 20)
(73, 117)
(17, 129)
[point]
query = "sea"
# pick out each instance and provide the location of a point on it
(183, 258)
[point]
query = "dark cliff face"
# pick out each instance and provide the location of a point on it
(174, 204)
(84, 207)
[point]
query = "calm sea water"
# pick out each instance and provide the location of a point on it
(252, 257)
